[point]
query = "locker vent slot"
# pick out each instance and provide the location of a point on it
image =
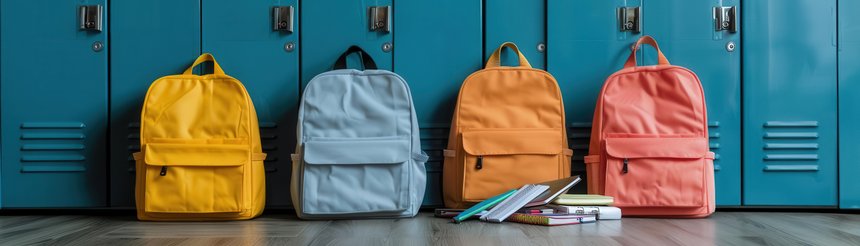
(268, 137)
(133, 139)
(579, 136)
(790, 146)
(52, 147)
(714, 141)
(434, 139)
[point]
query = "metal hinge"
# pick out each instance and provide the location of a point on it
(629, 19)
(725, 19)
(90, 17)
(379, 18)
(282, 18)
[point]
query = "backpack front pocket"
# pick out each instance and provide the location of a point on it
(658, 172)
(195, 178)
(356, 175)
(497, 160)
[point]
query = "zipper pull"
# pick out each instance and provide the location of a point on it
(480, 162)
(163, 171)
(624, 169)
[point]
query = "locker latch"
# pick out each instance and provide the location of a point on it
(629, 19)
(725, 19)
(90, 17)
(379, 18)
(282, 18)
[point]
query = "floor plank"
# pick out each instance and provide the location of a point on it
(723, 228)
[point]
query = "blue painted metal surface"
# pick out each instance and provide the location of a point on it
(585, 47)
(329, 27)
(521, 22)
(54, 100)
(435, 61)
(849, 102)
(686, 33)
(248, 49)
(143, 51)
(789, 98)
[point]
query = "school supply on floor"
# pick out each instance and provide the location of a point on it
(649, 145)
(602, 212)
(358, 153)
(513, 203)
(484, 205)
(583, 199)
(508, 130)
(200, 155)
(551, 219)
(451, 213)
(556, 188)
(536, 210)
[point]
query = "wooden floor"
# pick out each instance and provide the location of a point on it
(723, 228)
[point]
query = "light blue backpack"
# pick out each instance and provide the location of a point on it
(358, 153)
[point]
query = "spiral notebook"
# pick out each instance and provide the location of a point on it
(514, 202)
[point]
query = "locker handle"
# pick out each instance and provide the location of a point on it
(90, 17)
(282, 18)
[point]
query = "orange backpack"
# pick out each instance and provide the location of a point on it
(649, 141)
(507, 131)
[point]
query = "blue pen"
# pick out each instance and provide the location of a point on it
(482, 206)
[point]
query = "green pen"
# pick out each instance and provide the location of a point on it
(482, 206)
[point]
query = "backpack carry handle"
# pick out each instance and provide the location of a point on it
(631, 61)
(205, 57)
(495, 58)
(366, 59)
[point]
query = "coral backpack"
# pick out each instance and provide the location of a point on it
(200, 156)
(649, 141)
(507, 130)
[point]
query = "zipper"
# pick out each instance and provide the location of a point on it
(479, 163)
(624, 168)
(163, 171)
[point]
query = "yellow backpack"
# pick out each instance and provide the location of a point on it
(200, 156)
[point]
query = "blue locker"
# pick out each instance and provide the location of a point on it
(266, 60)
(521, 22)
(849, 112)
(688, 37)
(435, 63)
(789, 102)
(587, 46)
(329, 27)
(142, 52)
(54, 103)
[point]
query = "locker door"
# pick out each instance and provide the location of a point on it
(54, 105)
(586, 46)
(435, 57)
(521, 22)
(849, 112)
(143, 51)
(329, 27)
(789, 102)
(687, 36)
(266, 61)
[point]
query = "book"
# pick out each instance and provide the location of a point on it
(551, 219)
(601, 212)
(584, 199)
(452, 212)
(556, 188)
(537, 210)
(481, 206)
(514, 202)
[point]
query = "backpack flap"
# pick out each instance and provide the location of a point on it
(195, 178)
(356, 176)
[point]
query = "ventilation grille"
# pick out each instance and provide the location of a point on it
(53, 147)
(269, 137)
(579, 136)
(133, 140)
(714, 142)
(790, 146)
(434, 139)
